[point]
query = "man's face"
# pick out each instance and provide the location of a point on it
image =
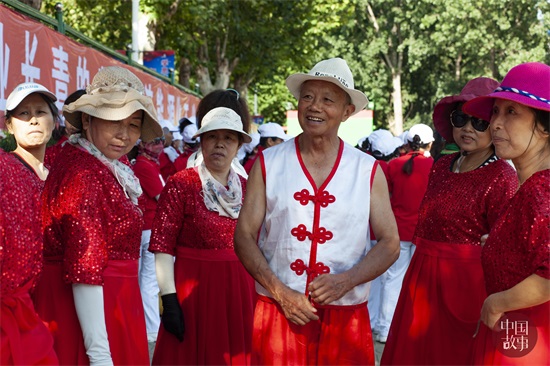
(322, 106)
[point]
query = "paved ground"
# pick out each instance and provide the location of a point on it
(151, 350)
(378, 349)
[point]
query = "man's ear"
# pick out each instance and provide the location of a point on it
(350, 108)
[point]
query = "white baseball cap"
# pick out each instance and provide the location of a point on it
(189, 132)
(272, 129)
(382, 141)
(423, 131)
(23, 90)
(222, 118)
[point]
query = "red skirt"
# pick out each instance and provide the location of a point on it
(217, 298)
(341, 336)
(24, 340)
(438, 307)
(522, 349)
(124, 317)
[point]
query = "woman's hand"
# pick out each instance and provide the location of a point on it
(329, 287)
(490, 314)
(484, 239)
(172, 316)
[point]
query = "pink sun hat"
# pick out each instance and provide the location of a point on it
(442, 111)
(527, 84)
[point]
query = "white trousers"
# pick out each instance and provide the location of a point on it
(385, 290)
(149, 287)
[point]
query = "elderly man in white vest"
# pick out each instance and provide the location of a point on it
(303, 232)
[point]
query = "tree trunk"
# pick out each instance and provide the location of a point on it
(185, 72)
(397, 126)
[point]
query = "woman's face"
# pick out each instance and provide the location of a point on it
(514, 129)
(219, 147)
(32, 122)
(113, 138)
(469, 139)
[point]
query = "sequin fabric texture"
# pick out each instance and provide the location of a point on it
(459, 208)
(87, 218)
(183, 220)
(20, 232)
(519, 244)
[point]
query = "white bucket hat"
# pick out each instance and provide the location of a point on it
(115, 94)
(23, 90)
(334, 70)
(222, 118)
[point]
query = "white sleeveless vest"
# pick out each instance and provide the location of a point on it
(309, 231)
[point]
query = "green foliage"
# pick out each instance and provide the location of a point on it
(436, 46)
(8, 143)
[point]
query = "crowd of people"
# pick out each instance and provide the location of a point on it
(220, 244)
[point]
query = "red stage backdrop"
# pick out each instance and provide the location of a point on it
(33, 52)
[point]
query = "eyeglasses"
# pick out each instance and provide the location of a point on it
(460, 119)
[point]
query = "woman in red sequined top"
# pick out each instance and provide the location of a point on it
(30, 113)
(515, 257)
(207, 295)
(92, 227)
(443, 290)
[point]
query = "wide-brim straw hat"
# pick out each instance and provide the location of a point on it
(115, 94)
(443, 109)
(527, 84)
(334, 70)
(222, 118)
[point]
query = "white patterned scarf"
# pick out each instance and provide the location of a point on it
(123, 173)
(225, 201)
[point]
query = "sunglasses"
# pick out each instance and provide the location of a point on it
(459, 120)
(158, 140)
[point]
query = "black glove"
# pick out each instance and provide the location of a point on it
(172, 316)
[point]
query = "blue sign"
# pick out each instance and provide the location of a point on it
(160, 61)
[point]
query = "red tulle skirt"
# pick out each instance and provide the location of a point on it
(217, 299)
(538, 346)
(341, 336)
(124, 317)
(438, 307)
(24, 340)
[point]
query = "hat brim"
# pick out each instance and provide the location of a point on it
(294, 84)
(210, 127)
(113, 107)
(14, 103)
(482, 107)
(442, 114)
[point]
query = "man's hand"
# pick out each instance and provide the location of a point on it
(296, 307)
(329, 287)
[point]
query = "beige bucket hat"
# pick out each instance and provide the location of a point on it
(114, 94)
(222, 118)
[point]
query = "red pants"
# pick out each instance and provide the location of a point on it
(341, 336)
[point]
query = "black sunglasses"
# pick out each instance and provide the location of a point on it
(158, 140)
(459, 119)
